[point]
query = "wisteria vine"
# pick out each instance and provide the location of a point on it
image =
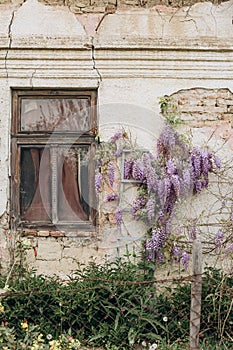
(176, 171)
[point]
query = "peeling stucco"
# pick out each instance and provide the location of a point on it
(133, 53)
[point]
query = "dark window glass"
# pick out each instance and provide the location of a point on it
(73, 184)
(53, 175)
(35, 185)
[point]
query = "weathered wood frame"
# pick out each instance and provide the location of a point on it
(21, 139)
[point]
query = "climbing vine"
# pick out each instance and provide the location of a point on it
(162, 180)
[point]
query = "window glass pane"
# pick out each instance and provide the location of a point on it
(35, 184)
(55, 114)
(73, 184)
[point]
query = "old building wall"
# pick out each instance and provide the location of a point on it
(98, 6)
(133, 53)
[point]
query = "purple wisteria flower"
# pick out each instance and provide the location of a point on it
(176, 253)
(137, 171)
(162, 181)
(156, 241)
(196, 162)
(116, 136)
(164, 189)
(118, 152)
(217, 162)
(160, 257)
(158, 238)
(149, 249)
(171, 167)
(166, 142)
(149, 172)
(111, 197)
(128, 165)
(176, 184)
(229, 249)
(138, 204)
(98, 182)
(198, 186)
(119, 217)
(204, 160)
(219, 238)
(202, 163)
(187, 182)
(185, 260)
(155, 244)
(111, 173)
(150, 207)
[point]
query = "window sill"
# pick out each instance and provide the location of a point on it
(57, 234)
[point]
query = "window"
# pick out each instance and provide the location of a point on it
(53, 143)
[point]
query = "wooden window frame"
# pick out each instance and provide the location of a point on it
(24, 139)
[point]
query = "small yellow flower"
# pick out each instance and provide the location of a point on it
(35, 346)
(6, 288)
(24, 325)
(40, 338)
(54, 345)
(1, 307)
(74, 343)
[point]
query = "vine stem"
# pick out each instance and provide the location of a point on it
(9, 274)
(225, 320)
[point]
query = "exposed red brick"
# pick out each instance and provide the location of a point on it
(56, 234)
(43, 233)
(199, 105)
(30, 233)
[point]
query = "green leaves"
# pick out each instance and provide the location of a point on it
(114, 306)
(169, 109)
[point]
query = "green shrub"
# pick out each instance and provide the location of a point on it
(117, 304)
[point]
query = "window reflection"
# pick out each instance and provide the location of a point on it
(53, 114)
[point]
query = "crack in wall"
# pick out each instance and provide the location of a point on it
(10, 42)
(10, 36)
(190, 20)
(173, 15)
(94, 62)
(9, 46)
(101, 20)
(163, 22)
(108, 10)
(32, 76)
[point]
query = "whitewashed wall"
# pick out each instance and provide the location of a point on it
(133, 57)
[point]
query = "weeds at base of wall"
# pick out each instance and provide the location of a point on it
(113, 306)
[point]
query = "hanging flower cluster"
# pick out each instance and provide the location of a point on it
(203, 162)
(176, 171)
(107, 169)
(106, 155)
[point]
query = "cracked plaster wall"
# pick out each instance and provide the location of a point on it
(97, 6)
(132, 55)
